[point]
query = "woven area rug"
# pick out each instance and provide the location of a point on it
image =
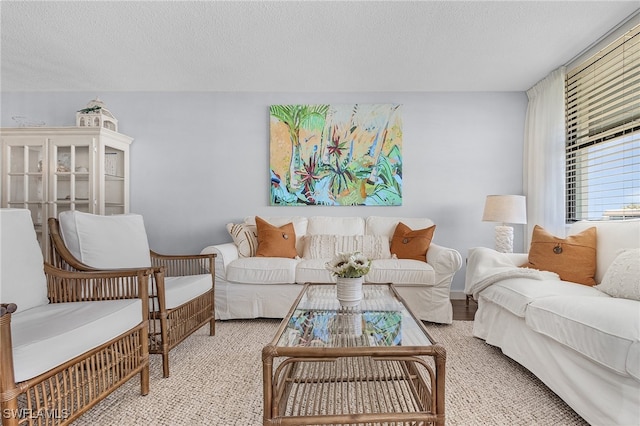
(218, 381)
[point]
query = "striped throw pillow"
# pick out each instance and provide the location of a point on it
(245, 238)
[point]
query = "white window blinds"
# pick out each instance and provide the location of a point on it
(603, 133)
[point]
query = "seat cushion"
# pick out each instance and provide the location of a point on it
(22, 279)
(106, 242)
(262, 270)
(179, 290)
(515, 294)
(47, 336)
(401, 271)
(604, 329)
(314, 271)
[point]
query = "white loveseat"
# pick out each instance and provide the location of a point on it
(581, 342)
(253, 287)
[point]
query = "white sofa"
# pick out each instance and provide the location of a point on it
(581, 342)
(253, 287)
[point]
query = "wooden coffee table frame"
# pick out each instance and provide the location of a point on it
(309, 385)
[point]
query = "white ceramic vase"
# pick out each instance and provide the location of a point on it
(349, 291)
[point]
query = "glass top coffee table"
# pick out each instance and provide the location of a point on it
(373, 364)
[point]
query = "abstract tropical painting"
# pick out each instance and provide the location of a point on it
(336, 155)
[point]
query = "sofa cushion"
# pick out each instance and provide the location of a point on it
(572, 258)
(408, 243)
(622, 278)
(276, 241)
(245, 237)
(401, 271)
(335, 225)
(22, 279)
(613, 236)
(47, 336)
(515, 294)
(382, 225)
(603, 329)
(262, 270)
(106, 242)
(314, 271)
(322, 246)
(300, 224)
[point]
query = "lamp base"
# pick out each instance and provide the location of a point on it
(504, 239)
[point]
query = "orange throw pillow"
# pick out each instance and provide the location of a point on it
(572, 258)
(275, 241)
(409, 244)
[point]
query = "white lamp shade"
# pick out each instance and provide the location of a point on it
(505, 209)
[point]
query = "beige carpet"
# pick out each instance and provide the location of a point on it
(218, 381)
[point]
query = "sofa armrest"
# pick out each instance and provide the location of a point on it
(225, 254)
(518, 258)
(445, 262)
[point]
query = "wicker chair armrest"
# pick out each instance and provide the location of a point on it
(184, 264)
(7, 308)
(73, 286)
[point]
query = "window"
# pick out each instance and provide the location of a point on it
(603, 133)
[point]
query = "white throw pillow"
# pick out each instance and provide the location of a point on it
(622, 278)
(245, 238)
(326, 246)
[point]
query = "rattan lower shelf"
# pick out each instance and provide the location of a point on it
(355, 390)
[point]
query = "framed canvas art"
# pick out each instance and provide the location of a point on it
(336, 155)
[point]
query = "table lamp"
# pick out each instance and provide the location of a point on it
(505, 209)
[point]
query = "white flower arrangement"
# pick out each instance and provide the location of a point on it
(349, 265)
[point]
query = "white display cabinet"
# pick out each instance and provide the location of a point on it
(52, 169)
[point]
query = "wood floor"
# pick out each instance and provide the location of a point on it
(462, 312)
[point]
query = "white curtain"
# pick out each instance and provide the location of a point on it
(544, 156)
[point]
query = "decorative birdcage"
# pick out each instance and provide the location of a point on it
(96, 115)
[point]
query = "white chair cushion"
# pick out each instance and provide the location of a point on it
(106, 242)
(262, 270)
(322, 246)
(612, 236)
(401, 271)
(313, 271)
(47, 336)
(22, 279)
(179, 290)
(515, 294)
(379, 225)
(335, 225)
(602, 329)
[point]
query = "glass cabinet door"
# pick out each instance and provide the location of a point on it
(25, 182)
(72, 184)
(114, 181)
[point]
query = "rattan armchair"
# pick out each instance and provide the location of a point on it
(72, 338)
(177, 310)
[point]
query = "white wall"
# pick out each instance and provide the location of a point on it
(200, 160)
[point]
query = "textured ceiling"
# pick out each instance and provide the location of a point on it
(295, 46)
